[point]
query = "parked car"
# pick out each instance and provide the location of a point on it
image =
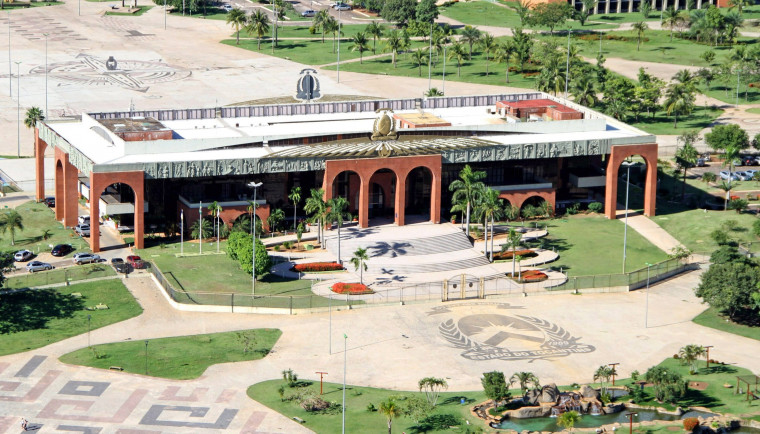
(50, 202)
(136, 262)
(743, 175)
(308, 13)
(749, 160)
(119, 265)
(84, 220)
(82, 230)
(701, 162)
(61, 250)
(227, 7)
(342, 7)
(23, 256)
(86, 258)
(750, 174)
(38, 266)
(728, 176)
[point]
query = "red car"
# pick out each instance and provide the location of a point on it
(136, 262)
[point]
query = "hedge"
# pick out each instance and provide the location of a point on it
(351, 289)
(317, 266)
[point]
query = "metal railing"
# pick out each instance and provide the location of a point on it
(63, 275)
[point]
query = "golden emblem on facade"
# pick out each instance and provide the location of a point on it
(384, 150)
(385, 126)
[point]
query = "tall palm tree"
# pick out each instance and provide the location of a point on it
(524, 379)
(602, 375)
(258, 24)
(467, 188)
(359, 43)
(11, 221)
(671, 18)
(491, 208)
(457, 52)
(332, 27)
(251, 209)
(319, 21)
(274, 219)
(376, 30)
(487, 44)
(583, 91)
(237, 18)
(419, 58)
(33, 115)
(471, 36)
(690, 354)
(394, 43)
(295, 196)
(316, 206)
(337, 211)
(504, 53)
(359, 261)
(679, 99)
(390, 410)
(640, 27)
(512, 242)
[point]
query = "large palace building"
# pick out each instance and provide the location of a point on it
(393, 160)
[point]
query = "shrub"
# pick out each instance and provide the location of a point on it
(690, 423)
(737, 204)
(287, 244)
(351, 289)
(276, 248)
(719, 236)
(708, 177)
(596, 207)
(529, 211)
(756, 228)
(573, 209)
(317, 266)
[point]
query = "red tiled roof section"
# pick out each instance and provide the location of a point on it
(535, 103)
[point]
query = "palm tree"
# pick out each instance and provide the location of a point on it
(433, 91)
(319, 21)
(393, 43)
(671, 18)
(389, 409)
(33, 115)
(457, 52)
(603, 374)
(316, 206)
(275, 218)
(251, 209)
(503, 53)
(467, 189)
(471, 36)
(359, 261)
(679, 99)
(376, 30)
(11, 221)
(524, 379)
(640, 28)
(258, 24)
(432, 387)
(237, 18)
(690, 354)
(295, 196)
(582, 90)
(359, 43)
(512, 242)
(419, 58)
(568, 419)
(337, 211)
(492, 207)
(201, 229)
(332, 27)
(487, 44)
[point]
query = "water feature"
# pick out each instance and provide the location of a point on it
(588, 421)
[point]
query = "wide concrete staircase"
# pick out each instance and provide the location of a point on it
(412, 249)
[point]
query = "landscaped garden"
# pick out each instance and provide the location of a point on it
(177, 358)
(70, 274)
(34, 318)
(41, 231)
(713, 319)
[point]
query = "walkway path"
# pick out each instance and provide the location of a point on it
(650, 230)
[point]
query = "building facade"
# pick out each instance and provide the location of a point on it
(393, 160)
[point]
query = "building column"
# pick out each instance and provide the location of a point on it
(596, 8)
(66, 204)
(619, 6)
(663, 4)
(435, 193)
(363, 201)
(400, 204)
(607, 6)
(39, 156)
(95, 190)
(630, 6)
(59, 183)
(699, 4)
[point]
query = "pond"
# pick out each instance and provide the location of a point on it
(588, 421)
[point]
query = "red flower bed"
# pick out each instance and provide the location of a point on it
(508, 254)
(351, 289)
(533, 276)
(317, 266)
(734, 197)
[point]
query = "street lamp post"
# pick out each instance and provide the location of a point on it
(200, 227)
(164, 14)
(567, 62)
(646, 311)
(345, 339)
(628, 164)
(254, 186)
(10, 64)
(89, 317)
(18, 109)
(181, 232)
(630, 421)
(338, 68)
(614, 372)
(329, 328)
(430, 57)
(443, 87)
(46, 74)
(146, 357)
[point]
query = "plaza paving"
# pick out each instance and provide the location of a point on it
(561, 338)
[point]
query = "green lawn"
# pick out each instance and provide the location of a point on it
(38, 218)
(663, 124)
(35, 318)
(142, 10)
(754, 110)
(693, 227)
(449, 415)
(35, 4)
(711, 318)
(624, 17)
(178, 358)
(486, 13)
(579, 239)
(41, 278)
(726, 91)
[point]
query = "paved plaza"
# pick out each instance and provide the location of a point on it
(561, 338)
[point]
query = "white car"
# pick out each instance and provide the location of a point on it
(728, 176)
(743, 175)
(750, 174)
(227, 8)
(309, 13)
(23, 255)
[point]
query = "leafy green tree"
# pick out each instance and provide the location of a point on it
(728, 287)
(399, 11)
(550, 15)
(524, 379)
(332, 27)
(417, 408)
(708, 56)
(512, 242)
(337, 212)
(670, 19)
(522, 8)
(470, 36)
(585, 12)
(756, 141)
(290, 377)
(690, 354)
(583, 91)
(236, 17)
(432, 387)
(468, 188)
(359, 43)
(457, 53)
(495, 386)
(686, 157)
(245, 257)
(668, 385)
(491, 207)
(393, 44)
(275, 218)
(640, 27)
(523, 45)
(426, 11)
(390, 409)
(731, 139)
(258, 24)
(568, 419)
(359, 261)
(11, 221)
(376, 30)
(33, 115)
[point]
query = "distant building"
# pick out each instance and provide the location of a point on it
(618, 6)
(393, 160)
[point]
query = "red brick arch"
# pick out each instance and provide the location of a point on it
(518, 198)
(66, 195)
(39, 154)
(98, 183)
(617, 156)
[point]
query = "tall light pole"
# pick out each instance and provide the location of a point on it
(254, 186)
(80, 7)
(630, 421)
(443, 87)
(46, 73)
(628, 164)
(146, 357)
(430, 58)
(200, 227)
(338, 46)
(182, 232)
(345, 339)
(646, 312)
(329, 328)
(89, 317)
(18, 109)
(164, 14)
(567, 63)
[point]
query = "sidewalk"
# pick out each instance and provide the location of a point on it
(650, 230)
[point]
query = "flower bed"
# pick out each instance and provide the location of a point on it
(526, 253)
(533, 276)
(313, 267)
(351, 289)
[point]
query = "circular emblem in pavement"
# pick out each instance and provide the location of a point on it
(510, 337)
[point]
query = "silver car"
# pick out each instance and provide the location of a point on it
(38, 266)
(86, 258)
(23, 255)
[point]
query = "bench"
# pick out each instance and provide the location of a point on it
(116, 368)
(101, 306)
(298, 419)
